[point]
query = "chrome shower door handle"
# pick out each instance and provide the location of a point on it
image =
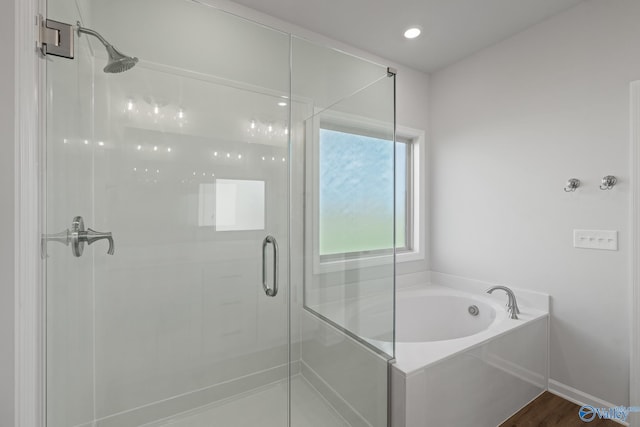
(271, 292)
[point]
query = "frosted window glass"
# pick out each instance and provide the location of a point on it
(356, 193)
(402, 159)
(239, 205)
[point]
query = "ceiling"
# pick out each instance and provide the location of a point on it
(452, 29)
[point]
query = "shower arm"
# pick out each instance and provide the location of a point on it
(84, 30)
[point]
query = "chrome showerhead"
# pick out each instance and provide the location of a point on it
(118, 62)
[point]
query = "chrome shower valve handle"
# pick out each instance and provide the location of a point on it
(91, 236)
(62, 237)
(77, 236)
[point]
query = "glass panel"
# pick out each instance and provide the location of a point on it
(343, 118)
(342, 287)
(185, 160)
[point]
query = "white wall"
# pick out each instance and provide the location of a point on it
(510, 125)
(6, 213)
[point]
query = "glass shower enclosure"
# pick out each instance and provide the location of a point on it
(184, 276)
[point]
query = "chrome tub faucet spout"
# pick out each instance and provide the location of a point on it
(512, 304)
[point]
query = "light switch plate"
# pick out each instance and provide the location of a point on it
(596, 239)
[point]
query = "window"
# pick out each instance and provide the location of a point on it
(356, 193)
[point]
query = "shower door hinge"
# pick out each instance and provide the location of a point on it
(55, 38)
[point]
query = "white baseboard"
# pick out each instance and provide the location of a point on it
(579, 397)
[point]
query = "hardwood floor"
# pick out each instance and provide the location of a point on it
(550, 410)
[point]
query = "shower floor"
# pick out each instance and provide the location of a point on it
(264, 407)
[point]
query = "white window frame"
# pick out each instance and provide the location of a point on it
(416, 140)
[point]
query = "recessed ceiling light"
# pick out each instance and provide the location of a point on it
(412, 32)
(282, 104)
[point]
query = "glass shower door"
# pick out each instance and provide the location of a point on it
(175, 312)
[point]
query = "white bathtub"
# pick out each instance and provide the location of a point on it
(438, 315)
(454, 369)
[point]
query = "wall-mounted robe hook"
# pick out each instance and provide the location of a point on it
(608, 182)
(572, 185)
